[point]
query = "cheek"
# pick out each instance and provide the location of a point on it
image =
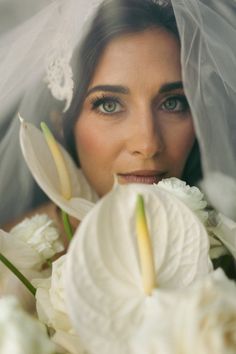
(181, 140)
(97, 151)
(92, 142)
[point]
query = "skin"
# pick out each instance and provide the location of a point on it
(140, 127)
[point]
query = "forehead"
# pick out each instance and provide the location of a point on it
(153, 54)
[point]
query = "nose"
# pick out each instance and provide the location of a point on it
(145, 138)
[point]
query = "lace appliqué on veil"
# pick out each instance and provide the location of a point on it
(59, 75)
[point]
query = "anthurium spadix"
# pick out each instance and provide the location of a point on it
(105, 292)
(144, 247)
(76, 197)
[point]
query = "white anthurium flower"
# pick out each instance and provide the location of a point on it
(43, 168)
(26, 260)
(223, 229)
(19, 252)
(204, 319)
(52, 310)
(217, 248)
(104, 283)
(191, 196)
(153, 331)
(40, 233)
(21, 333)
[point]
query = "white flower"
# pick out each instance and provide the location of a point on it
(104, 284)
(52, 311)
(40, 233)
(21, 333)
(217, 248)
(26, 260)
(191, 196)
(205, 318)
(153, 333)
(200, 319)
(27, 247)
(223, 230)
(43, 168)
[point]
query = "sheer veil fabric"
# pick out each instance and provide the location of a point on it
(208, 43)
(36, 46)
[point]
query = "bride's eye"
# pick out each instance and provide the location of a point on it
(175, 104)
(106, 105)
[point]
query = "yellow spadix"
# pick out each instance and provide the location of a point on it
(58, 158)
(145, 247)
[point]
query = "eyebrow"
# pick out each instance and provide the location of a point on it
(171, 86)
(125, 90)
(109, 88)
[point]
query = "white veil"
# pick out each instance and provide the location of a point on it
(208, 39)
(36, 46)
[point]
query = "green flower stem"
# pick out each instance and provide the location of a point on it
(49, 263)
(67, 225)
(18, 274)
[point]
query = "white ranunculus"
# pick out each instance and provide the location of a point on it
(21, 333)
(43, 168)
(221, 230)
(191, 196)
(104, 289)
(40, 233)
(204, 320)
(52, 310)
(26, 260)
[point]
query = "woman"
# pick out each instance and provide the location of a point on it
(129, 116)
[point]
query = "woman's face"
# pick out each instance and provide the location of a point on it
(135, 121)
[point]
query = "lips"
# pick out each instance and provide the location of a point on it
(144, 176)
